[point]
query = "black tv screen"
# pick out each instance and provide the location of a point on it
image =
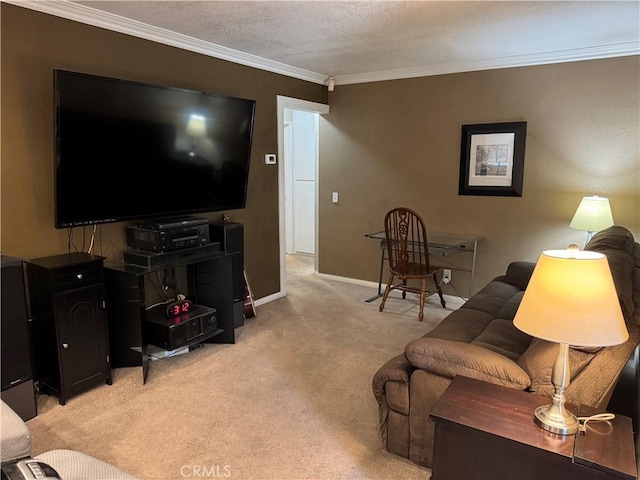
(128, 151)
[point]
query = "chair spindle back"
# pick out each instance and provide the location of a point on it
(406, 238)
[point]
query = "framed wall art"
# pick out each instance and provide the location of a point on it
(492, 159)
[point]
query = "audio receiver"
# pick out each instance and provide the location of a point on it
(161, 238)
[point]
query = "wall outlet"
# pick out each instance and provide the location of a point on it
(446, 275)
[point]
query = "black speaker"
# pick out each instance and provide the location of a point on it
(16, 350)
(231, 238)
(17, 371)
(229, 234)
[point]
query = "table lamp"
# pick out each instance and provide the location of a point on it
(593, 214)
(570, 300)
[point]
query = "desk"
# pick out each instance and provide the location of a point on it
(441, 244)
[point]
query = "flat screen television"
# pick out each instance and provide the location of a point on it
(127, 151)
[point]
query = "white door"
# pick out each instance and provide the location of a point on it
(300, 181)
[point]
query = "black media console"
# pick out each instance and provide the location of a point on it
(213, 280)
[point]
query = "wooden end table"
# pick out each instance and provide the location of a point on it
(485, 431)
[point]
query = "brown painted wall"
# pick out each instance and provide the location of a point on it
(397, 143)
(33, 44)
(383, 144)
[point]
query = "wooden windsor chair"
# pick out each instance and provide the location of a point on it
(407, 249)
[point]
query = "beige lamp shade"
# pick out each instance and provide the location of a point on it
(593, 214)
(196, 126)
(571, 299)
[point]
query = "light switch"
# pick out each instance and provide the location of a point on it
(334, 197)
(270, 159)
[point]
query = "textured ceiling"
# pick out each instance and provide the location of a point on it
(353, 39)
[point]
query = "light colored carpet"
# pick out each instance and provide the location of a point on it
(291, 399)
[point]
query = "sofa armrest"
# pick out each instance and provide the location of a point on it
(398, 369)
(15, 438)
(519, 274)
(72, 465)
(449, 358)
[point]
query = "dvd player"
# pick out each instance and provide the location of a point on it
(169, 235)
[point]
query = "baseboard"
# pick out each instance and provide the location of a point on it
(355, 281)
(367, 283)
(269, 298)
(337, 278)
(326, 276)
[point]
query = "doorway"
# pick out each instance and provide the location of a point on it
(297, 179)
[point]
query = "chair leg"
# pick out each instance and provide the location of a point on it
(435, 279)
(386, 292)
(404, 292)
(423, 287)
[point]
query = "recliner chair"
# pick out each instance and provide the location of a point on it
(15, 445)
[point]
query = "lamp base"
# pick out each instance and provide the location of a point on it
(556, 419)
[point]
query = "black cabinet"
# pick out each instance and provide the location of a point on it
(70, 324)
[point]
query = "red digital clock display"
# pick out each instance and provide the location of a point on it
(175, 309)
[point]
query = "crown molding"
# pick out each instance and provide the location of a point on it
(98, 18)
(562, 56)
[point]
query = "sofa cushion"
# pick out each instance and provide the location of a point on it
(492, 297)
(502, 337)
(538, 362)
(595, 384)
(617, 244)
(449, 359)
(509, 309)
(462, 325)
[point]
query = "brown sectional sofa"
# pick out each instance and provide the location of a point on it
(479, 341)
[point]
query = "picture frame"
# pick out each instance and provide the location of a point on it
(492, 159)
